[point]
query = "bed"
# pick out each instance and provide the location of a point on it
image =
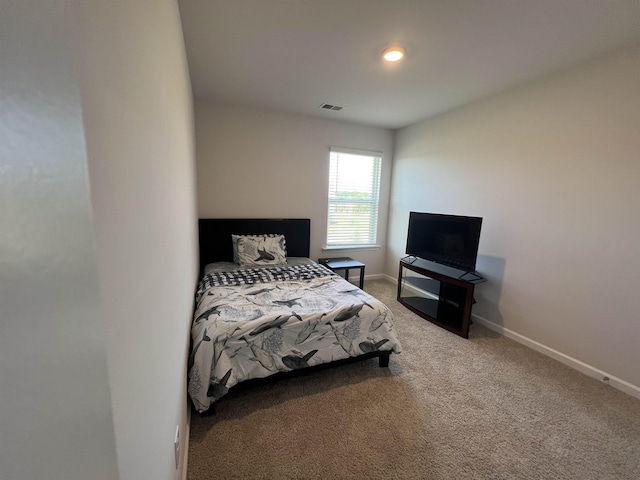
(265, 310)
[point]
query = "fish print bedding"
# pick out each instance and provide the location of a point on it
(254, 323)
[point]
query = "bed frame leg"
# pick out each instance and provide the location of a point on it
(384, 359)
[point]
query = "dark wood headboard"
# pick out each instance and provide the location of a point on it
(215, 235)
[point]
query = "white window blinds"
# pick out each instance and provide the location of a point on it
(354, 190)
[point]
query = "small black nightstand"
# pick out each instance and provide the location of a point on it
(344, 263)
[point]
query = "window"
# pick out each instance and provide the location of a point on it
(354, 190)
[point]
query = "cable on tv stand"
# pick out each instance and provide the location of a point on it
(474, 274)
(409, 258)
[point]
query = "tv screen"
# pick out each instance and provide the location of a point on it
(447, 239)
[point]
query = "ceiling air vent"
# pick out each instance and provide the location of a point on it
(327, 106)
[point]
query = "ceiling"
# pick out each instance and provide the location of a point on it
(293, 55)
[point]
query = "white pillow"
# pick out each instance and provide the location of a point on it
(268, 249)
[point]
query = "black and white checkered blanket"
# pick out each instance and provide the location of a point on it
(263, 275)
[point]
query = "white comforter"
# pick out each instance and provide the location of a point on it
(281, 319)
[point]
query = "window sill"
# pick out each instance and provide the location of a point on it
(351, 247)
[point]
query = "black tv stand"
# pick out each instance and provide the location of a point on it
(438, 293)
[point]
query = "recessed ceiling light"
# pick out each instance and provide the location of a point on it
(393, 54)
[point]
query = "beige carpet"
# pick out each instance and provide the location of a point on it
(447, 408)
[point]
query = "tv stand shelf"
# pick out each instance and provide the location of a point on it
(438, 293)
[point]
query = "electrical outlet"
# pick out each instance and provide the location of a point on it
(176, 445)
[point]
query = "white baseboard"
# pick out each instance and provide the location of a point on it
(375, 276)
(185, 450)
(356, 278)
(582, 367)
(389, 278)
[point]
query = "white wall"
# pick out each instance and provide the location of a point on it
(139, 128)
(554, 169)
(55, 407)
(255, 163)
(94, 330)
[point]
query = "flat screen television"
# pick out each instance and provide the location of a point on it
(446, 239)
